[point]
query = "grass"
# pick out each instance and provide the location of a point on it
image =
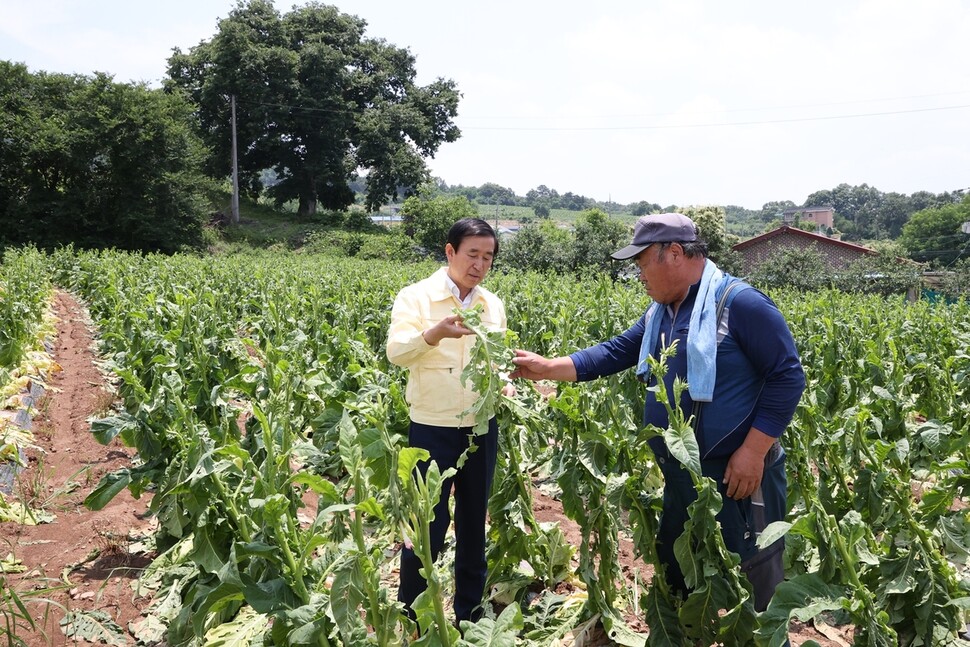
(261, 226)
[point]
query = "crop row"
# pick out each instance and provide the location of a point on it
(271, 433)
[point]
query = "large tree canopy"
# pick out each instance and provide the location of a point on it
(936, 235)
(88, 161)
(317, 102)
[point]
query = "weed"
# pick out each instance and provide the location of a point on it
(16, 618)
(110, 542)
(104, 401)
(35, 490)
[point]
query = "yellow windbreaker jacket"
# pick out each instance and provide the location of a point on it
(434, 392)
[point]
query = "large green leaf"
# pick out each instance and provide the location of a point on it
(110, 485)
(682, 444)
(660, 613)
(346, 596)
(106, 429)
(802, 598)
(501, 632)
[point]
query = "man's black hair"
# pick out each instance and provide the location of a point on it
(467, 227)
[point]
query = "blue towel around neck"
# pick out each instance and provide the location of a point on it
(701, 337)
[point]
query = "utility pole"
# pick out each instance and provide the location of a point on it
(235, 169)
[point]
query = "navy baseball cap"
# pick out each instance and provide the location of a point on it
(658, 228)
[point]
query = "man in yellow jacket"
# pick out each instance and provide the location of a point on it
(430, 341)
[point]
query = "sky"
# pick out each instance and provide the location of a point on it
(676, 102)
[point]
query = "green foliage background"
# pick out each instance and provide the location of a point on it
(94, 163)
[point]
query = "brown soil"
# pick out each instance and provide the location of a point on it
(88, 560)
(82, 558)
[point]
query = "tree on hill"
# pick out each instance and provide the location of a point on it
(771, 211)
(865, 213)
(935, 234)
(643, 207)
(87, 161)
(317, 102)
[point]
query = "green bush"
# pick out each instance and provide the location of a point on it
(956, 281)
(807, 269)
(390, 247)
(883, 274)
(333, 243)
(428, 218)
(801, 268)
(544, 247)
(387, 246)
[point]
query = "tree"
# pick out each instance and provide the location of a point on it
(711, 223)
(317, 102)
(427, 219)
(574, 202)
(934, 234)
(597, 236)
(491, 193)
(542, 195)
(543, 248)
(891, 214)
(88, 161)
(799, 267)
(771, 211)
(643, 207)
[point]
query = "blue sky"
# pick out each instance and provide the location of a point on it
(671, 101)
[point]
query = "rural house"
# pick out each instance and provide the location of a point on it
(823, 217)
(837, 253)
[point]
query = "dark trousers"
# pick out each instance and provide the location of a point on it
(472, 484)
(741, 523)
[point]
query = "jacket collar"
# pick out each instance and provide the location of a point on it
(441, 292)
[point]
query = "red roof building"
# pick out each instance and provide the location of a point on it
(837, 253)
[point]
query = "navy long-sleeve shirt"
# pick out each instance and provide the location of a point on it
(758, 369)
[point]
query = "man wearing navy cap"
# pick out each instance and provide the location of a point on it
(744, 381)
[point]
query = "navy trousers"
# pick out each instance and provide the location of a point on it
(741, 522)
(472, 485)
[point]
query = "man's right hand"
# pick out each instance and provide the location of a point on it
(450, 327)
(532, 366)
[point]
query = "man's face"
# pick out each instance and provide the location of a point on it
(655, 275)
(469, 264)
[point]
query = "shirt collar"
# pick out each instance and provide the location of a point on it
(453, 287)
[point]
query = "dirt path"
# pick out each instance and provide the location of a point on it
(83, 554)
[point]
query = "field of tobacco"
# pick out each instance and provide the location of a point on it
(271, 430)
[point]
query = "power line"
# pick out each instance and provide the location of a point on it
(309, 113)
(732, 110)
(720, 124)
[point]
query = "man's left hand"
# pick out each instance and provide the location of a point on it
(744, 471)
